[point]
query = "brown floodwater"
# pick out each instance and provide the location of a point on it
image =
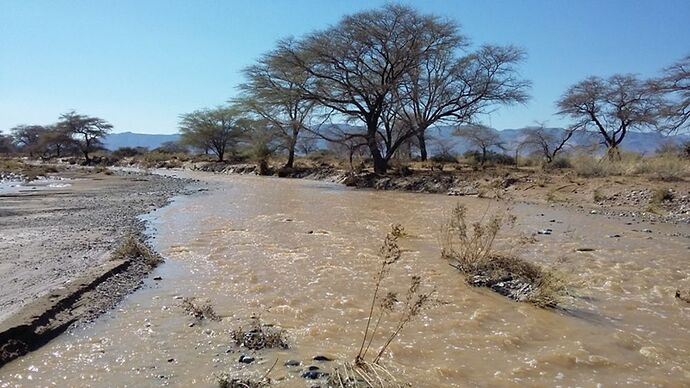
(302, 255)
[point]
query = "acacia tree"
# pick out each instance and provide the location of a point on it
(443, 88)
(6, 144)
(274, 92)
(26, 137)
(55, 141)
(217, 129)
(88, 132)
(612, 107)
(359, 63)
(548, 143)
(481, 137)
(675, 85)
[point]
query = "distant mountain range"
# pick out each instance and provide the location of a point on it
(645, 143)
(130, 139)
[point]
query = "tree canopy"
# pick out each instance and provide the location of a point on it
(216, 130)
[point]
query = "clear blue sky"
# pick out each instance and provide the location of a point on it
(139, 64)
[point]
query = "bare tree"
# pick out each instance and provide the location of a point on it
(445, 89)
(480, 137)
(275, 92)
(675, 85)
(88, 131)
(548, 143)
(356, 65)
(217, 130)
(612, 107)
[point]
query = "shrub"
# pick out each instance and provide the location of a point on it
(492, 158)
(587, 166)
(132, 248)
(667, 168)
(470, 250)
(128, 152)
(199, 310)
(559, 163)
(444, 157)
(258, 336)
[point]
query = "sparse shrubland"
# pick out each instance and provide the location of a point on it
(470, 249)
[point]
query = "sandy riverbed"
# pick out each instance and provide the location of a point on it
(52, 232)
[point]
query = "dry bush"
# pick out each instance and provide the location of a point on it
(364, 375)
(11, 165)
(225, 381)
(471, 251)
(199, 310)
(386, 303)
(587, 166)
(665, 168)
(132, 248)
(470, 244)
(258, 336)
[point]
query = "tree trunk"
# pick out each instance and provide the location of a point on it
(613, 153)
(421, 138)
(291, 152)
(380, 163)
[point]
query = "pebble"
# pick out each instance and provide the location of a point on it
(322, 358)
(313, 375)
(289, 363)
(545, 231)
(246, 359)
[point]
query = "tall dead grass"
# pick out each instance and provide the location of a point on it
(664, 167)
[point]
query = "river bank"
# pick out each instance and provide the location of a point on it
(56, 249)
(632, 197)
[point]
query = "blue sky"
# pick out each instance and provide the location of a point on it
(139, 64)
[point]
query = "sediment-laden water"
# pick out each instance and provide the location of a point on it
(302, 255)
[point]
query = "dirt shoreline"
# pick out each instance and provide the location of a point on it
(56, 246)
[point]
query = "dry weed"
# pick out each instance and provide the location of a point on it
(258, 336)
(199, 310)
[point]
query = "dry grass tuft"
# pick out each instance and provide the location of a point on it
(199, 310)
(258, 336)
(363, 375)
(225, 381)
(471, 251)
(133, 248)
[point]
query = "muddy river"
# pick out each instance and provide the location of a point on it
(302, 255)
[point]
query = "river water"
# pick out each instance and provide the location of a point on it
(302, 255)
